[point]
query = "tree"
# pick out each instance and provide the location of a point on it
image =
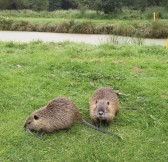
(12, 4)
(154, 2)
(164, 3)
(5, 4)
(141, 4)
(67, 4)
(18, 4)
(54, 4)
(107, 6)
(85, 4)
(37, 5)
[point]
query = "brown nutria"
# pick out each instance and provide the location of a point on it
(104, 105)
(60, 113)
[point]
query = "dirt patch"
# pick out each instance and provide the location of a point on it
(89, 60)
(164, 97)
(136, 70)
(119, 62)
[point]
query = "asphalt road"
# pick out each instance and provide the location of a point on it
(93, 39)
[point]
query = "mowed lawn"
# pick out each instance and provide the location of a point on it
(33, 74)
(34, 20)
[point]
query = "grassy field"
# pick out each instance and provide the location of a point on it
(33, 74)
(94, 21)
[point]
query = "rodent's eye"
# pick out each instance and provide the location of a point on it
(108, 103)
(96, 102)
(36, 117)
(95, 108)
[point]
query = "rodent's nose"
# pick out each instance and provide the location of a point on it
(24, 126)
(100, 112)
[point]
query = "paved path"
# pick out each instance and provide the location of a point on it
(85, 38)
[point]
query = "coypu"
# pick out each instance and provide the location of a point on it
(104, 106)
(60, 113)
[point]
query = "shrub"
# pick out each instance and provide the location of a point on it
(84, 28)
(5, 23)
(126, 30)
(158, 30)
(63, 27)
(104, 29)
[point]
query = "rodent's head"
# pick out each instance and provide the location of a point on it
(34, 122)
(102, 109)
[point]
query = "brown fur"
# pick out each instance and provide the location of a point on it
(60, 113)
(104, 105)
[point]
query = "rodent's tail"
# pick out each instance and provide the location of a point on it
(133, 108)
(99, 129)
(129, 108)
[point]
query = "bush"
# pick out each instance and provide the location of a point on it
(84, 28)
(63, 27)
(158, 30)
(104, 29)
(5, 23)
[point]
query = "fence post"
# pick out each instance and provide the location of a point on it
(154, 16)
(167, 44)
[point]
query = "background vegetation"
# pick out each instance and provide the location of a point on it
(33, 74)
(107, 6)
(121, 17)
(127, 23)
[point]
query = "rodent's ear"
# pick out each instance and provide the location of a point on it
(36, 117)
(108, 103)
(118, 94)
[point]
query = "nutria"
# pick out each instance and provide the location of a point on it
(60, 113)
(104, 105)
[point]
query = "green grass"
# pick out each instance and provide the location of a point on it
(33, 74)
(94, 21)
(58, 20)
(126, 13)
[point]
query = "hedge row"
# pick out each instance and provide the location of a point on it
(153, 30)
